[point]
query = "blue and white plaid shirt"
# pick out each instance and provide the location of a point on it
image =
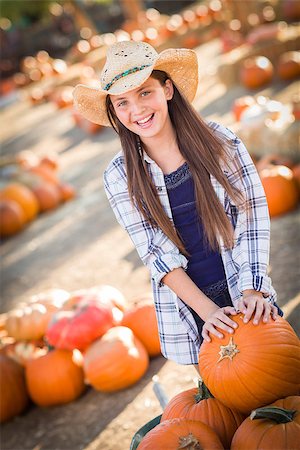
(245, 265)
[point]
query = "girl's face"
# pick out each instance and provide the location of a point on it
(144, 110)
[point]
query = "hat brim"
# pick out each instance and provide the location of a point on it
(180, 64)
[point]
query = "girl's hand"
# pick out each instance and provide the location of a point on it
(255, 304)
(219, 318)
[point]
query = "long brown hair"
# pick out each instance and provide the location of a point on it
(202, 150)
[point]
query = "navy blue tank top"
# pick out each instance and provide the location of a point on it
(205, 266)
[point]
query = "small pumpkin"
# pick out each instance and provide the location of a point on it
(199, 404)
(77, 328)
(255, 366)
(12, 218)
(14, 396)
(241, 104)
(274, 426)
(141, 319)
(24, 197)
(176, 434)
(27, 322)
(67, 191)
(289, 65)
(280, 188)
(48, 196)
(256, 71)
(115, 361)
(55, 378)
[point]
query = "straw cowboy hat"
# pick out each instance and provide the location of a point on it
(128, 65)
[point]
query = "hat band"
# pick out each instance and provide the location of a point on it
(123, 74)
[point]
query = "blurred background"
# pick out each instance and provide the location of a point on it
(59, 237)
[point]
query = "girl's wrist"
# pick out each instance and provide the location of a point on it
(248, 292)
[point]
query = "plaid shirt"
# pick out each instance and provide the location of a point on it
(245, 264)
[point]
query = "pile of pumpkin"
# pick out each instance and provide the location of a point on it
(59, 342)
(264, 125)
(29, 185)
(250, 399)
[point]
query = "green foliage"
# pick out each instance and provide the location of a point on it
(18, 10)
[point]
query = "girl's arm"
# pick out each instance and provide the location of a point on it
(210, 313)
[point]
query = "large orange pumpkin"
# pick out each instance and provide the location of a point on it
(256, 72)
(14, 396)
(280, 189)
(115, 361)
(55, 378)
(12, 217)
(199, 404)
(176, 434)
(255, 366)
(24, 197)
(141, 319)
(276, 426)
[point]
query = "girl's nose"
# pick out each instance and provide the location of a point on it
(137, 109)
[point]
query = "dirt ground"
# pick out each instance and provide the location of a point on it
(80, 245)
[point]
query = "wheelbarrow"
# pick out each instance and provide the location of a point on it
(163, 400)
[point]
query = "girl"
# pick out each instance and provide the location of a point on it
(187, 193)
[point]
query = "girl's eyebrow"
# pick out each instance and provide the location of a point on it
(123, 98)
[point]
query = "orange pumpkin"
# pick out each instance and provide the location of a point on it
(175, 434)
(14, 397)
(241, 104)
(256, 72)
(22, 351)
(67, 191)
(50, 161)
(45, 173)
(273, 160)
(48, 195)
(141, 319)
(55, 378)
(115, 361)
(274, 426)
(280, 189)
(12, 218)
(289, 65)
(24, 197)
(27, 322)
(199, 404)
(255, 366)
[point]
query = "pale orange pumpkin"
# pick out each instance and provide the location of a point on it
(27, 322)
(241, 104)
(141, 319)
(280, 189)
(256, 72)
(255, 366)
(55, 378)
(115, 361)
(14, 396)
(24, 197)
(12, 218)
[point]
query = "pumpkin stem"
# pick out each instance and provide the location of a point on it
(279, 415)
(228, 351)
(189, 442)
(203, 392)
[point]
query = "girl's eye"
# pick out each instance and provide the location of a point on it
(145, 93)
(123, 103)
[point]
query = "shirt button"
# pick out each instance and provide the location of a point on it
(159, 188)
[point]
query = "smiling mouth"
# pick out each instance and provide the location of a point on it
(145, 121)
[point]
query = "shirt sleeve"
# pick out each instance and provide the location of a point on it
(155, 249)
(252, 231)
